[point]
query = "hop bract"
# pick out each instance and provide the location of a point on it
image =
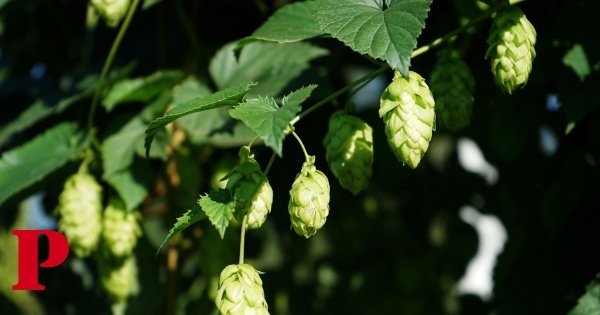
(452, 86)
(242, 182)
(407, 108)
(511, 49)
(119, 277)
(349, 151)
(241, 292)
(309, 200)
(120, 229)
(111, 10)
(80, 207)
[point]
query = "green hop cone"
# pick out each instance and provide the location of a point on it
(240, 291)
(407, 109)
(120, 229)
(452, 86)
(309, 200)
(349, 151)
(119, 277)
(80, 207)
(511, 49)
(242, 182)
(112, 11)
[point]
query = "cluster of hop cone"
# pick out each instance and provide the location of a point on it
(409, 111)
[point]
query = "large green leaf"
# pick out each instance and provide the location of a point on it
(227, 97)
(272, 65)
(31, 162)
(294, 22)
(386, 30)
(190, 217)
(131, 184)
(218, 206)
(119, 148)
(268, 120)
(140, 89)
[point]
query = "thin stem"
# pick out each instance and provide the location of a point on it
(306, 156)
(444, 38)
(252, 142)
(339, 92)
(245, 220)
(108, 63)
(243, 238)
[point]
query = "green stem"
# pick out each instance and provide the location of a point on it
(437, 42)
(306, 156)
(243, 238)
(339, 92)
(245, 220)
(108, 63)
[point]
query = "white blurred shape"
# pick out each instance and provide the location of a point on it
(478, 278)
(471, 159)
(36, 215)
(548, 140)
(552, 103)
(368, 96)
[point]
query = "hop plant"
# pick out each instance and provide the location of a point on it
(120, 229)
(407, 109)
(79, 207)
(349, 151)
(452, 86)
(240, 291)
(309, 200)
(511, 49)
(242, 182)
(119, 277)
(111, 10)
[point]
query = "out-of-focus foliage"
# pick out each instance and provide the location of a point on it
(400, 246)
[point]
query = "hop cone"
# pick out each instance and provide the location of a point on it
(309, 200)
(349, 151)
(511, 49)
(242, 182)
(119, 278)
(79, 207)
(240, 291)
(452, 87)
(120, 229)
(111, 10)
(407, 108)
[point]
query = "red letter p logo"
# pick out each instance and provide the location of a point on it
(58, 250)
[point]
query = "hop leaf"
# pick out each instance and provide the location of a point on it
(452, 86)
(407, 108)
(243, 181)
(111, 10)
(120, 229)
(79, 207)
(241, 292)
(309, 200)
(511, 49)
(349, 151)
(119, 277)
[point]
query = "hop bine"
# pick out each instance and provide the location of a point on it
(240, 291)
(407, 109)
(349, 151)
(452, 86)
(309, 200)
(511, 49)
(242, 182)
(80, 207)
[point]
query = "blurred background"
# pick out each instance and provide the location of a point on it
(502, 217)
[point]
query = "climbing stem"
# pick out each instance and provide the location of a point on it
(108, 63)
(306, 156)
(243, 238)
